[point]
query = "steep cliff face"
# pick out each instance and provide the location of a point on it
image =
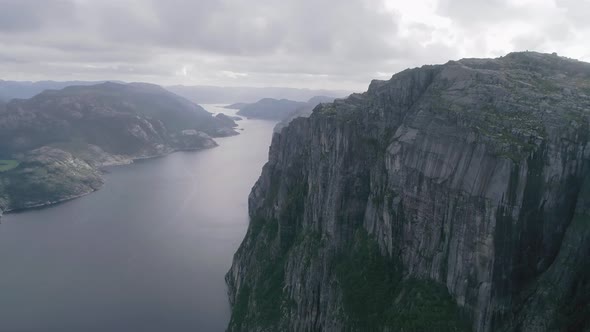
(451, 197)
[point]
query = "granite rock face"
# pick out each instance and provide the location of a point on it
(456, 193)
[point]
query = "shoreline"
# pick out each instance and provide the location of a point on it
(48, 204)
(103, 169)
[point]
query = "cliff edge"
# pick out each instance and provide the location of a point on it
(453, 197)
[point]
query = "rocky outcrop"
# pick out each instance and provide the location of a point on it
(228, 121)
(451, 197)
(191, 139)
(46, 176)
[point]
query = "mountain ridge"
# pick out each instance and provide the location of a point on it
(60, 139)
(200, 94)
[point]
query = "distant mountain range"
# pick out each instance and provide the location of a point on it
(221, 95)
(25, 89)
(304, 111)
(196, 94)
(103, 115)
(270, 109)
(282, 110)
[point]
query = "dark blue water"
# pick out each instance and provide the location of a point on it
(147, 252)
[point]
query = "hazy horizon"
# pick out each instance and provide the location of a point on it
(175, 85)
(297, 44)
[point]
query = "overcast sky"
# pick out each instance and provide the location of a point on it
(332, 44)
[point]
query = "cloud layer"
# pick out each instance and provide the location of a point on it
(300, 43)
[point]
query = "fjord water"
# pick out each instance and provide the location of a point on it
(147, 252)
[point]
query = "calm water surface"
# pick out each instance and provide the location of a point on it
(147, 252)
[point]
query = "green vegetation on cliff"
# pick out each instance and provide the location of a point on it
(267, 295)
(376, 296)
(47, 175)
(7, 165)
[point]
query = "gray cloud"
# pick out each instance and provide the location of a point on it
(19, 15)
(576, 10)
(29, 15)
(306, 43)
(478, 12)
(239, 27)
